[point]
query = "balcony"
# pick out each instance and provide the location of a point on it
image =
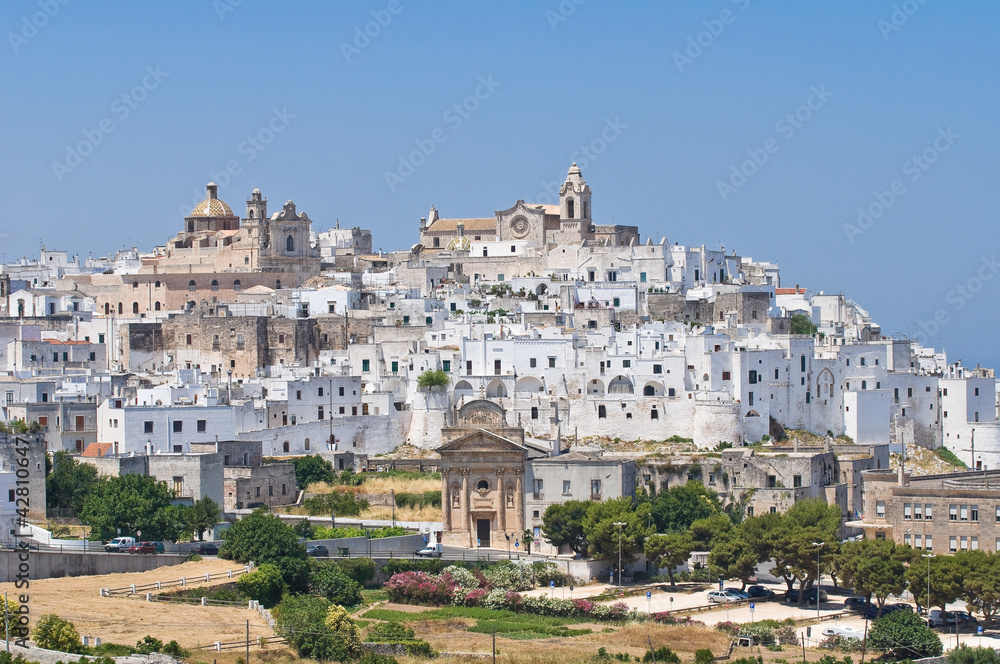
(538, 495)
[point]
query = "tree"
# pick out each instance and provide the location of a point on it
(303, 528)
(331, 582)
(562, 524)
(963, 654)
(705, 532)
(312, 468)
(903, 635)
(344, 629)
(795, 556)
(202, 515)
(734, 558)
(264, 584)
(802, 325)
(947, 581)
(432, 379)
(603, 536)
(675, 509)
(668, 551)
(68, 482)
(131, 503)
(301, 620)
(982, 580)
(875, 568)
(54, 633)
(264, 538)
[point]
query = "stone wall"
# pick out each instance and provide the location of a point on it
(55, 564)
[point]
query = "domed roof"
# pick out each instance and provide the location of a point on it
(212, 206)
(459, 243)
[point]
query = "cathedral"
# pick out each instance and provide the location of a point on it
(538, 225)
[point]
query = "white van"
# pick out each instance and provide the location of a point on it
(119, 545)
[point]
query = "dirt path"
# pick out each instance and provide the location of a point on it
(125, 620)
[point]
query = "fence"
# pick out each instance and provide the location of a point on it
(159, 585)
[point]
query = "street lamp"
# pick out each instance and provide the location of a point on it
(819, 547)
(507, 535)
(927, 604)
(619, 524)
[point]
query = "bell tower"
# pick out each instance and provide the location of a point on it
(574, 198)
(256, 207)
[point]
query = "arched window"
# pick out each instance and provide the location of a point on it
(215, 284)
(192, 286)
(864, 385)
(251, 214)
(289, 244)
(135, 284)
(570, 209)
(284, 446)
(156, 306)
(107, 308)
(277, 285)
(237, 285)
(190, 304)
(307, 443)
(120, 310)
(585, 214)
(135, 307)
(156, 285)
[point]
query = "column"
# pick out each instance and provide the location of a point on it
(502, 502)
(464, 498)
(518, 502)
(446, 503)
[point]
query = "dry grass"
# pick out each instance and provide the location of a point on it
(376, 483)
(680, 638)
(425, 513)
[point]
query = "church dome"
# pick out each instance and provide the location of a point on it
(459, 243)
(212, 206)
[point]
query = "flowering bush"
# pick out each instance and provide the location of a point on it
(665, 618)
(510, 576)
(495, 599)
(462, 577)
(420, 588)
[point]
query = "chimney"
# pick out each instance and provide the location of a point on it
(554, 432)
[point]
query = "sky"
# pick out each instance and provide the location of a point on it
(853, 143)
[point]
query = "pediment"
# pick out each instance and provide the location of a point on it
(481, 441)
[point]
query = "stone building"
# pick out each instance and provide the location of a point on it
(26, 452)
(941, 513)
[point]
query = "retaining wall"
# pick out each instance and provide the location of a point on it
(54, 564)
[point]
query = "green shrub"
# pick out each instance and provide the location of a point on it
(432, 379)
(301, 619)
(966, 655)
(703, 656)
(148, 644)
(112, 650)
(265, 584)
(174, 649)
(430, 565)
(425, 499)
(663, 654)
(54, 633)
(331, 582)
(374, 658)
(341, 504)
(390, 631)
(362, 570)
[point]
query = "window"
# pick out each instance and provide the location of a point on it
(998, 513)
(963, 513)
(187, 339)
(532, 362)
(880, 509)
(552, 363)
(147, 427)
(918, 512)
(862, 360)
(796, 480)
(566, 487)
(906, 539)
(320, 413)
(928, 542)
(907, 511)
(927, 517)
(202, 426)
(974, 513)
(365, 366)
(534, 412)
(973, 542)
(298, 395)
(192, 286)
(953, 512)
(654, 414)
(626, 364)
(446, 365)
(237, 285)
(752, 377)
(671, 392)
(953, 543)
(595, 487)
(725, 375)
(602, 412)
(642, 277)
(178, 426)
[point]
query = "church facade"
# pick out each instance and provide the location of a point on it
(542, 226)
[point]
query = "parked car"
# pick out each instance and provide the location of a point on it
(759, 591)
(119, 545)
(843, 631)
(318, 551)
(723, 597)
(255, 505)
(793, 596)
(873, 612)
(856, 604)
(742, 594)
(206, 549)
(159, 546)
(431, 551)
(142, 547)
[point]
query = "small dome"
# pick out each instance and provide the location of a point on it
(212, 207)
(459, 243)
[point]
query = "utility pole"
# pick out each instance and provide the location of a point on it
(248, 641)
(619, 524)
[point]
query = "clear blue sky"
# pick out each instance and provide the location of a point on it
(680, 126)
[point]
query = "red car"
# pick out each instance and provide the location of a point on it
(142, 547)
